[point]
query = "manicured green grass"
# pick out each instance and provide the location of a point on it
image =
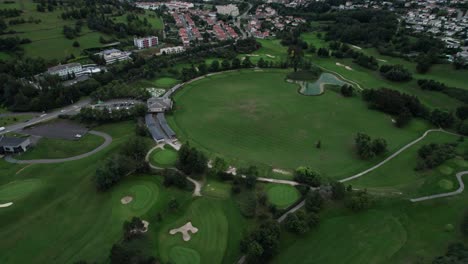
(370, 237)
(64, 218)
(282, 195)
(9, 120)
(48, 148)
(18, 189)
(256, 117)
(164, 157)
(217, 189)
(47, 36)
(399, 175)
(218, 223)
(394, 231)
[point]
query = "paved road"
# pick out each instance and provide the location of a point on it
(395, 154)
(71, 109)
(441, 195)
(107, 142)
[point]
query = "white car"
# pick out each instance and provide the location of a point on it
(2, 128)
(78, 136)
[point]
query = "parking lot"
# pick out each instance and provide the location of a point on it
(61, 129)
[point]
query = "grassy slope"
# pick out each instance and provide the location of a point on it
(372, 79)
(59, 148)
(394, 231)
(66, 220)
(47, 36)
(256, 117)
(399, 175)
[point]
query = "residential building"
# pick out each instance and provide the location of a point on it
(65, 70)
(229, 10)
(13, 144)
(171, 50)
(146, 42)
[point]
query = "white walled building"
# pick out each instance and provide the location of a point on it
(146, 42)
(114, 55)
(65, 70)
(227, 10)
(171, 50)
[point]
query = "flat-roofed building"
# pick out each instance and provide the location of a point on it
(146, 42)
(171, 50)
(64, 70)
(114, 55)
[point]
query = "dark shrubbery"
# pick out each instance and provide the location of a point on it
(368, 148)
(396, 73)
(432, 155)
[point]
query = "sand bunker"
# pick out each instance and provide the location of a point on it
(270, 56)
(6, 205)
(232, 170)
(280, 171)
(145, 226)
(126, 200)
(356, 47)
(185, 229)
(339, 64)
(348, 68)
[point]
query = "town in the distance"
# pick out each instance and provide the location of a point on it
(234, 131)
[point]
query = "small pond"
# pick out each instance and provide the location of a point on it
(317, 87)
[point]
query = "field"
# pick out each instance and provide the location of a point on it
(258, 118)
(48, 148)
(282, 195)
(47, 36)
(164, 157)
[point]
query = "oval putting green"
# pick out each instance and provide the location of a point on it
(282, 195)
(143, 196)
(184, 255)
(164, 157)
(18, 189)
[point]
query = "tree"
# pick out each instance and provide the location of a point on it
(347, 90)
(318, 144)
(133, 228)
(314, 201)
(225, 65)
(379, 146)
(295, 55)
(214, 67)
(403, 118)
(254, 250)
(173, 204)
(462, 112)
(293, 223)
(307, 176)
(236, 63)
(441, 118)
(76, 44)
(359, 200)
(338, 190)
(246, 63)
(364, 146)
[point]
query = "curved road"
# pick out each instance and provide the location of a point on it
(441, 195)
(395, 154)
(107, 142)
